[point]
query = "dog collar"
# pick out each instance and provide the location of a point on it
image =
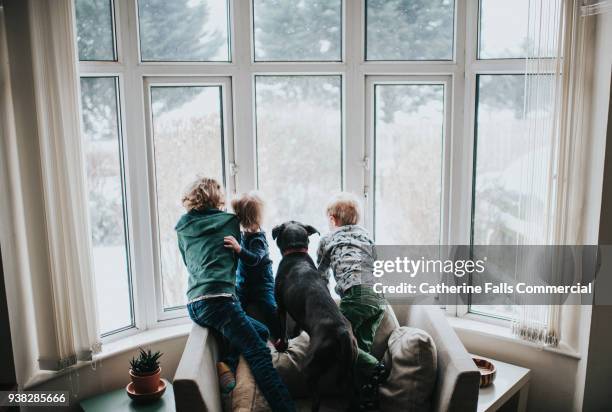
(295, 250)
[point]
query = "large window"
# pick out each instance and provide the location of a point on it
(504, 145)
(289, 30)
(504, 29)
(187, 133)
(299, 146)
(184, 30)
(410, 104)
(103, 146)
(96, 30)
(410, 29)
(409, 138)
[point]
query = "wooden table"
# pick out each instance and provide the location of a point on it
(509, 390)
(120, 401)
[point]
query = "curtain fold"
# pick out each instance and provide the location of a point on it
(556, 68)
(593, 7)
(63, 174)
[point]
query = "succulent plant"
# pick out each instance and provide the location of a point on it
(146, 363)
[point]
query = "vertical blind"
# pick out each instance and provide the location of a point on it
(553, 173)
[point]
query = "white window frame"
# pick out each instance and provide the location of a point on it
(371, 83)
(126, 198)
(473, 68)
(224, 83)
(238, 78)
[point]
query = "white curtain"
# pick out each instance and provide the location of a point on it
(554, 108)
(56, 92)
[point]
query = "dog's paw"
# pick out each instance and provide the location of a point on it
(281, 345)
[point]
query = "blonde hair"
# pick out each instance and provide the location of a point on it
(345, 208)
(249, 209)
(204, 193)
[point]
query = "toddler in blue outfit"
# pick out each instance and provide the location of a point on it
(254, 276)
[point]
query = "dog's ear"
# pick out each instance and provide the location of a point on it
(310, 230)
(277, 231)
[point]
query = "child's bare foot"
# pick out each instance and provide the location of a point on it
(227, 380)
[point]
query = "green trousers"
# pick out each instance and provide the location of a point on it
(364, 309)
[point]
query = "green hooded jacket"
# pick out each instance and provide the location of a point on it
(211, 266)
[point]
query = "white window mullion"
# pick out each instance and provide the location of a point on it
(459, 141)
(243, 97)
(354, 103)
(139, 175)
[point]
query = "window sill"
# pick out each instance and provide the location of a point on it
(143, 338)
(117, 347)
(498, 333)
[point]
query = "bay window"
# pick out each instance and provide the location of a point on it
(187, 138)
(184, 30)
(410, 29)
(289, 30)
(299, 147)
(409, 104)
(409, 140)
(108, 217)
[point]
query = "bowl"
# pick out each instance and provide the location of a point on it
(487, 371)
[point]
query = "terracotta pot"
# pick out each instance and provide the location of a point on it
(147, 383)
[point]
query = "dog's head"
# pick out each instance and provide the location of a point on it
(292, 235)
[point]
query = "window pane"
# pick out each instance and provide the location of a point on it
(95, 31)
(504, 150)
(504, 29)
(409, 135)
(410, 29)
(299, 155)
(102, 144)
(183, 30)
(188, 143)
(289, 30)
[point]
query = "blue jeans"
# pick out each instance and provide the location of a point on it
(260, 295)
(225, 316)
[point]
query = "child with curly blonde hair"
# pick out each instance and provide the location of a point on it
(211, 290)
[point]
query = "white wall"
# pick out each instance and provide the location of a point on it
(596, 367)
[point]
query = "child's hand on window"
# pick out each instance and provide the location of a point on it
(231, 243)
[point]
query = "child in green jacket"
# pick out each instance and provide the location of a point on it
(211, 290)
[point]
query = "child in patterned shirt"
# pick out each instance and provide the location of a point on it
(349, 252)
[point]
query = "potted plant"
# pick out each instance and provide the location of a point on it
(145, 371)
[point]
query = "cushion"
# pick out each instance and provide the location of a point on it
(387, 325)
(246, 396)
(413, 360)
(289, 365)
